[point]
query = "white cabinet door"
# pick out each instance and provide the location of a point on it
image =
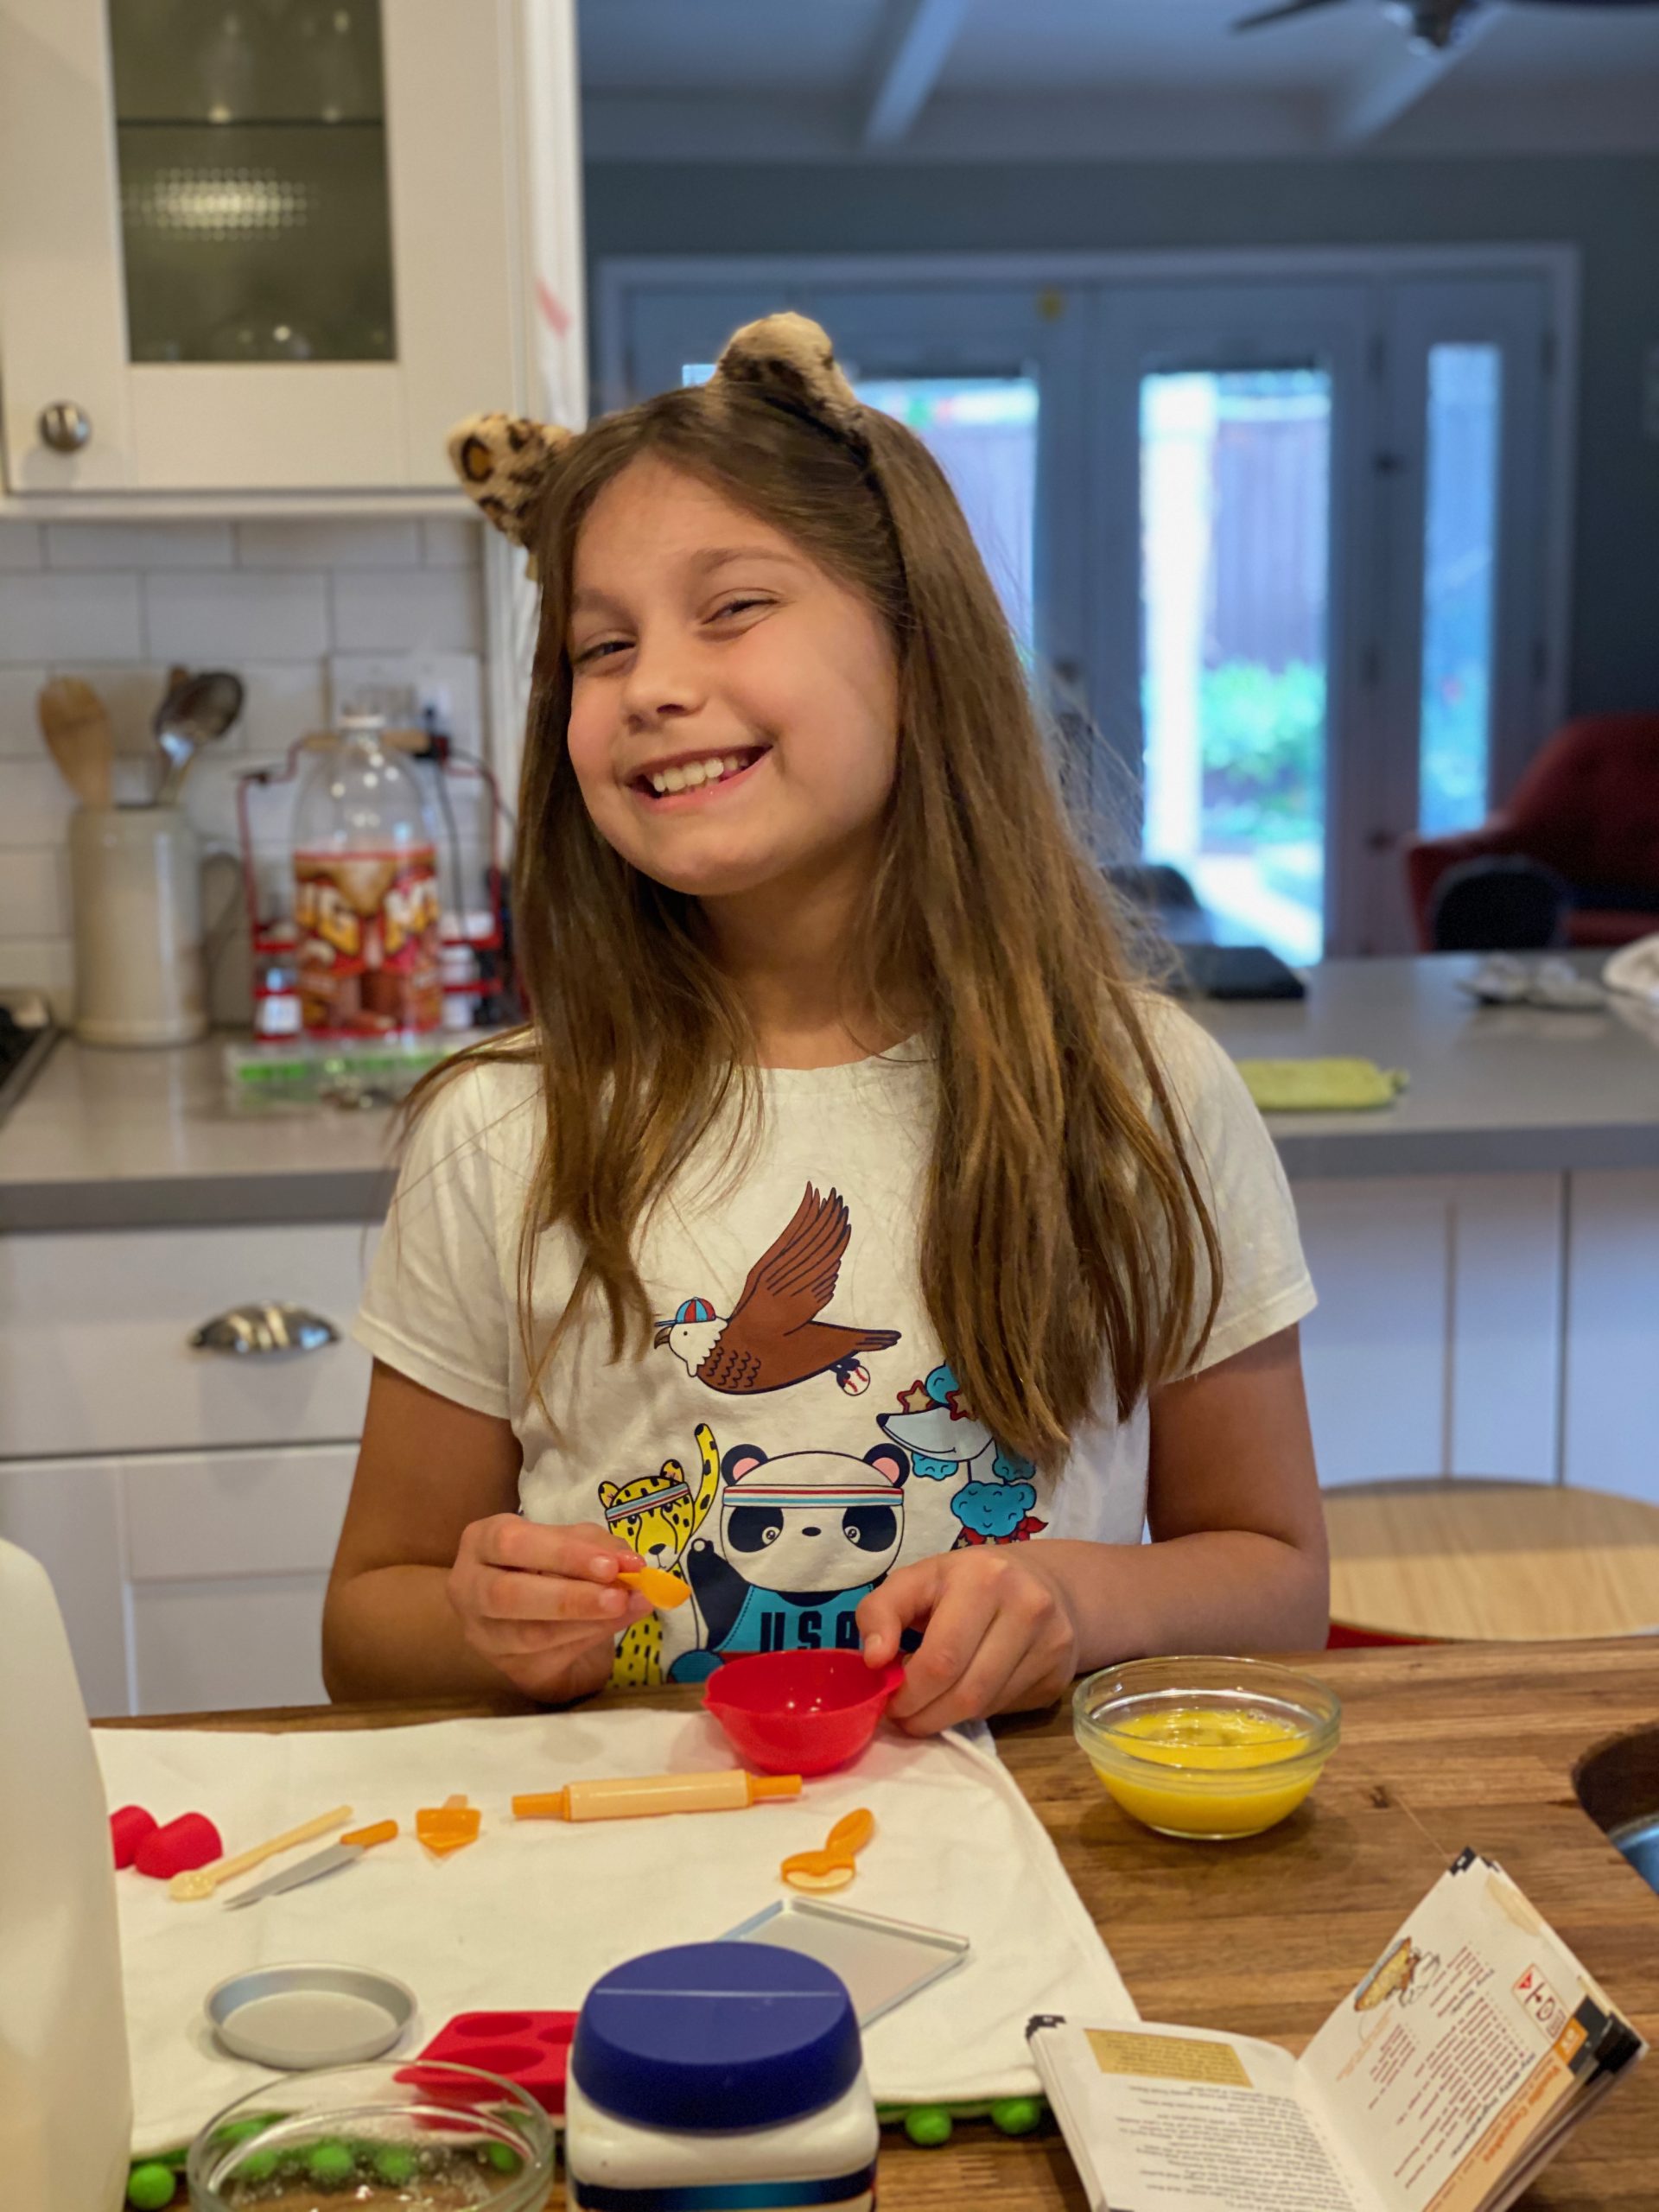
(95, 1352)
(1611, 1425)
(188, 1582)
(1435, 1348)
(249, 278)
(228, 1559)
(66, 1513)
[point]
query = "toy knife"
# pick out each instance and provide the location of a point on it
(345, 1852)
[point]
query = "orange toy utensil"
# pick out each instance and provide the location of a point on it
(449, 1826)
(832, 1867)
(381, 1832)
(665, 1591)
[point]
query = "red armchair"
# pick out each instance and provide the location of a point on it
(1588, 807)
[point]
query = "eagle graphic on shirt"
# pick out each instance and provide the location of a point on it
(772, 1339)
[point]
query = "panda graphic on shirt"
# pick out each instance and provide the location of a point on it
(803, 1539)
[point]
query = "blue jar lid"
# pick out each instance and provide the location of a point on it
(716, 2035)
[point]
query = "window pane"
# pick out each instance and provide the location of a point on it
(1235, 484)
(1459, 568)
(982, 432)
(255, 216)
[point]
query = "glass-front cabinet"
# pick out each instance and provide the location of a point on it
(261, 245)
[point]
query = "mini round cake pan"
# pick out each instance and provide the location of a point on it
(296, 2017)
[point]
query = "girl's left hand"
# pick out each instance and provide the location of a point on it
(999, 1636)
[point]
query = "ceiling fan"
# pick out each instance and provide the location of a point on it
(1436, 24)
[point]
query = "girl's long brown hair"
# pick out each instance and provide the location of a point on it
(1066, 1251)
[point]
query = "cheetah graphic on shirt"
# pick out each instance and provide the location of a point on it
(657, 1514)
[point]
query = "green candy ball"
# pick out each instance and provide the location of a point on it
(258, 2166)
(331, 2164)
(1017, 2116)
(928, 2125)
(503, 2157)
(394, 2164)
(244, 2131)
(149, 2186)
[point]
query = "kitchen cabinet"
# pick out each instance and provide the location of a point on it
(279, 249)
(96, 1355)
(1611, 1417)
(188, 1579)
(184, 1502)
(1436, 1347)
(1499, 1325)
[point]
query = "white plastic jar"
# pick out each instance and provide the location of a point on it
(732, 2070)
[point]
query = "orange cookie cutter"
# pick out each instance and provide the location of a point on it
(449, 1826)
(665, 1591)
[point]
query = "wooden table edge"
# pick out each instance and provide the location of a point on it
(1306, 1907)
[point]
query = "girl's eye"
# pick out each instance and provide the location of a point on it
(738, 607)
(605, 647)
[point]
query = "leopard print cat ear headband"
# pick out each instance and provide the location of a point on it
(505, 463)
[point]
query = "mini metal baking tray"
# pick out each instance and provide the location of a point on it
(882, 1961)
(294, 2017)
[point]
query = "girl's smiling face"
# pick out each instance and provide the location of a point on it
(733, 707)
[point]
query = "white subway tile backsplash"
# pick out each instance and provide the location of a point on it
(214, 620)
(285, 700)
(35, 803)
(432, 611)
(370, 543)
(451, 542)
(20, 545)
(117, 602)
(82, 618)
(43, 963)
(34, 896)
(139, 545)
(20, 733)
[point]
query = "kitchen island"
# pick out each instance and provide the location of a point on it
(1441, 1750)
(1485, 1249)
(121, 1140)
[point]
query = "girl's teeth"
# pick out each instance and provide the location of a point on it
(690, 775)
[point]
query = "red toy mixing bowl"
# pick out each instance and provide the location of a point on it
(800, 1712)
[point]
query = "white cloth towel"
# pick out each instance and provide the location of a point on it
(534, 1911)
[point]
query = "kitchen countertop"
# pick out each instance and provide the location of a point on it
(1492, 1089)
(104, 1139)
(1442, 1748)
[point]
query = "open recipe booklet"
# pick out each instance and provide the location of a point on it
(1448, 2077)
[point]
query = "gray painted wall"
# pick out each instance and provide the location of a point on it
(1608, 208)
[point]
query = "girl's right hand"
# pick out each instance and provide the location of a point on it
(542, 1604)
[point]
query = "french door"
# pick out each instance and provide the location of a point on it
(1282, 547)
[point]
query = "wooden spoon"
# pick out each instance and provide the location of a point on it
(75, 724)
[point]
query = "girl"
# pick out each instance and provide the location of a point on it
(848, 1230)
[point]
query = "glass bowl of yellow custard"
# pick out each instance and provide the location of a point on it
(1203, 1748)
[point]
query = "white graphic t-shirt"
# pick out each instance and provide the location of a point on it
(795, 1430)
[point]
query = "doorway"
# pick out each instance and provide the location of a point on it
(1281, 537)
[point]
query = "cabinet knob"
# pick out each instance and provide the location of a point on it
(247, 1329)
(65, 426)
